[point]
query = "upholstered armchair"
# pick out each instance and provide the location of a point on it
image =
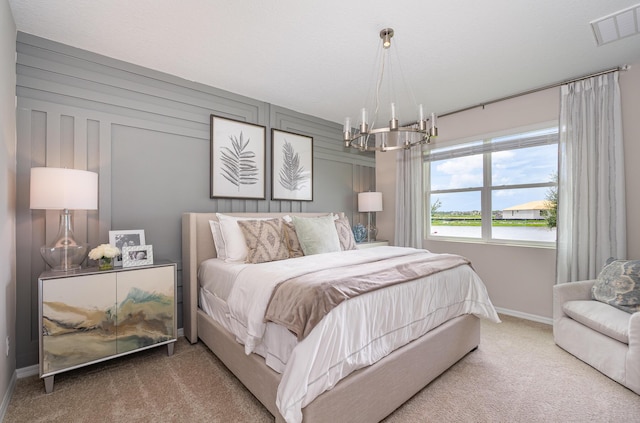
(597, 333)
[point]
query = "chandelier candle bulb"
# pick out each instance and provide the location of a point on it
(422, 122)
(393, 123)
(433, 131)
(364, 125)
(347, 131)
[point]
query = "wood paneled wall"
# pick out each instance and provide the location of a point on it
(147, 135)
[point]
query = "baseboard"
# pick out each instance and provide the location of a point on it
(27, 371)
(7, 396)
(526, 316)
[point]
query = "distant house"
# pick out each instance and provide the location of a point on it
(531, 210)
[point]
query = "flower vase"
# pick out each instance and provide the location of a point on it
(105, 263)
(359, 232)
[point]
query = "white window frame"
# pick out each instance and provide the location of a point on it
(487, 188)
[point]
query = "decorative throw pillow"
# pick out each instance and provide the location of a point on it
(618, 285)
(234, 242)
(345, 235)
(291, 238)
(317, 234)
(265, 240)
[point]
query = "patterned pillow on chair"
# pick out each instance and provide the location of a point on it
(618, 285)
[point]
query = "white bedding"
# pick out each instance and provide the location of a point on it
(218, 276)
(341, 343)
(278, 342)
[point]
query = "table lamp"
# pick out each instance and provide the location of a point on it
(64, 189)
(370, 202)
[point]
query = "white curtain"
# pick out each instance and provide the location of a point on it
(409, 198)
(591, 199)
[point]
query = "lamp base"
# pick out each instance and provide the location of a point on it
(372, 232)
(64, 259)
(65, 253)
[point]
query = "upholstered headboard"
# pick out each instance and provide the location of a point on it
(197, 246)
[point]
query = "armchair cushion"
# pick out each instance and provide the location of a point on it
(584, 328)
(618, 284)
(600, 317)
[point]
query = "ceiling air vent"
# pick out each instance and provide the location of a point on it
(622, 24)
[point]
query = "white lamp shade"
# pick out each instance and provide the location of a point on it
(370, 202)
(57, 189)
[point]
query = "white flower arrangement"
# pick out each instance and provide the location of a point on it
(104, 251)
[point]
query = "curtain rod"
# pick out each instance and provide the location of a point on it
(535, 90)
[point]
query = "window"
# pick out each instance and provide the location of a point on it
(495, 189)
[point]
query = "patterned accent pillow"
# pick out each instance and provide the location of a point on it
(292, 241)
(618, 285)
(265, 240)
(347, 241)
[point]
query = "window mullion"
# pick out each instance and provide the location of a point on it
(485, 197)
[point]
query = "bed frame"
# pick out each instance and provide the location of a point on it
(367, 395)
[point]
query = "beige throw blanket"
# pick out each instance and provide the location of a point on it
(301, 302)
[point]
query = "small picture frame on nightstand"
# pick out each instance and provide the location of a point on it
(121, 239)
(137, 255)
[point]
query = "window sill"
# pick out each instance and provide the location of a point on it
(502, 242)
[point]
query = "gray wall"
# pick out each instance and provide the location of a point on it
(147, 135)
(7, 201)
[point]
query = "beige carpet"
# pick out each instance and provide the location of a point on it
(517, 375)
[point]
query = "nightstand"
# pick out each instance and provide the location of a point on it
(89, 316)
(371, 244)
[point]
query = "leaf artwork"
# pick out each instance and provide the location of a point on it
(239, 166)
(292, 175)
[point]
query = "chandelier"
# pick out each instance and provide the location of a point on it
(367, 137)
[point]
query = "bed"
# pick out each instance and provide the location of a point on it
(369, 393)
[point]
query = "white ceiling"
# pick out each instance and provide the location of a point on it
(317, 57)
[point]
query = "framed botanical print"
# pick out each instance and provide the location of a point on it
(291, 166)
(238, 159)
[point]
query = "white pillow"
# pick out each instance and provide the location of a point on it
(234, 242)
(317, 234)
(218, 241)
